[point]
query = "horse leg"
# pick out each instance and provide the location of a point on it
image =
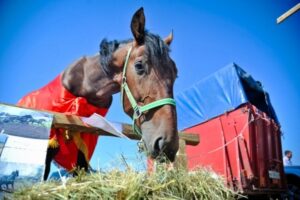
(51, 152)
(81, 161)
(82, 155)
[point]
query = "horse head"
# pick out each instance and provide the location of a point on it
(15, 173)
(147, 81)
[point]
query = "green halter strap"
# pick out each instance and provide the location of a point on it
(139, 110)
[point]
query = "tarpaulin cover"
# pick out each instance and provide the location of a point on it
(222, 91)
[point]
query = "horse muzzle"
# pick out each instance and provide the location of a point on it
(164, 148)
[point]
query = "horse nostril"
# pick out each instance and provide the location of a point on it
(158, 144)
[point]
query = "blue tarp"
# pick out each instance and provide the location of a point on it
(222, 91)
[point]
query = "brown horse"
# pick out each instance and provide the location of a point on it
(141, 66)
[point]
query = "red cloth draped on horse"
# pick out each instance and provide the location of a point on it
(54, 97)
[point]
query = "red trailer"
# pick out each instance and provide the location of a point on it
(244, 146)
(239, 131)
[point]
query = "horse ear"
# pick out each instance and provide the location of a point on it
(168, 40)
(138, 25)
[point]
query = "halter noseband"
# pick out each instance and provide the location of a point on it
(139, 110)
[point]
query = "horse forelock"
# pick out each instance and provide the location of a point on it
(157, 53)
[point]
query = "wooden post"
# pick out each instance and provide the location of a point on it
(288, 13)
(181, 159)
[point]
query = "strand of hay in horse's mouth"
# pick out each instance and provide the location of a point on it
(129, 184)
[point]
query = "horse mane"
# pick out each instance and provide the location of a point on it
(156, 50)
(106, 50)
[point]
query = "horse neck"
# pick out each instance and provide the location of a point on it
(86, 78)
(13, 175)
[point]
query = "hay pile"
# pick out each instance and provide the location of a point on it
(129, 184)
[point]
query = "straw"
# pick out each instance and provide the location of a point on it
(130, 184)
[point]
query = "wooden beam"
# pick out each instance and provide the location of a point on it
(288, 13)
(190, 138)
(74, 123)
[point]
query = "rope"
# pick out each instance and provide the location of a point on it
(240, 135)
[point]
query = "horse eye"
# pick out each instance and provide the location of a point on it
(139, 68)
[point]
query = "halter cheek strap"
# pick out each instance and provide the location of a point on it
(139, 110)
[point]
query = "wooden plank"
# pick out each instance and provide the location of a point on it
(190, 138)
(288, 13)
(74, 123)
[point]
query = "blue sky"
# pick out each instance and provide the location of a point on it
(39, 39)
